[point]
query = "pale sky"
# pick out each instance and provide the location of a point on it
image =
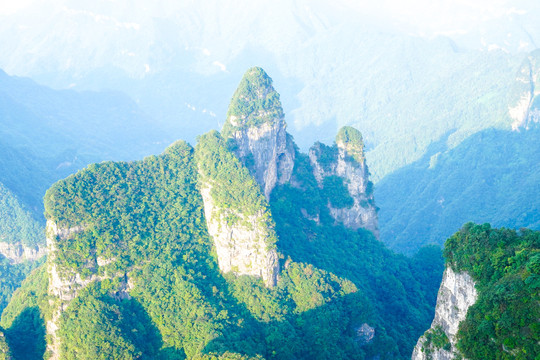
(441, 16)
(424, 17)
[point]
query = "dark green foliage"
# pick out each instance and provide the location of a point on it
(17, 223)
(326, 155)
(24, 317)
(254, 102)
(492, 176)
(398, 305)
(337, 193)
(505, 264)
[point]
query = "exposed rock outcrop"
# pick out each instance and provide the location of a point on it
(525, 102)
(242, 247)
(255, 122)
(237, 214)
(346, 160)
(456, 294)
(17, 253)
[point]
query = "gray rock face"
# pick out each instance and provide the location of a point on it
(241, 247)
(17, 253)
(363, 213)
(456, 294)
(255, 121)
(525, 104)
(365, 334)
(267, 151)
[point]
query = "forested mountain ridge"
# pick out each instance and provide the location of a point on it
(47, 134)
(491, 177)
(134, 270)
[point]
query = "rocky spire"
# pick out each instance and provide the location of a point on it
(346, 160)
(256, 124)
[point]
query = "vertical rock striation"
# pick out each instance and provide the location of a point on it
(237, 214)
(242, 248)
(346, 160)
(456, 294)
(255, 124)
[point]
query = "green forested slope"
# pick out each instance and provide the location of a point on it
(491, 177)
(146, 219)
(505, 264)
(24, 318)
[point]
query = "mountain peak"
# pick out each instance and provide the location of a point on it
(254, 102)
(350, 140)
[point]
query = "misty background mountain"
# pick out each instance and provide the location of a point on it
(408, 76)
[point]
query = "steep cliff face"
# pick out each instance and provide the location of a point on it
(236, 212)
(524, 109)
(18, 253)
(346, 161)
(255, 123)
(242, 248)
(61, 289)
(456, 294)
(65, 286)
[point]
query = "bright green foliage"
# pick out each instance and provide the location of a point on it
(352, 140)
(254, 102)
(505, 264)
(147, 219)
(24, 318)
(130, 211)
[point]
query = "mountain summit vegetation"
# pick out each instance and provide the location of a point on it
(133, 270)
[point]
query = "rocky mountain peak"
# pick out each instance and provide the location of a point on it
(345, 160)
(254, 103)
(350, 140)
(256, 125)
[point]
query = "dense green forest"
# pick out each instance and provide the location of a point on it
(146, 220)
(492, 176)
(505, 264)
(152, 287)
